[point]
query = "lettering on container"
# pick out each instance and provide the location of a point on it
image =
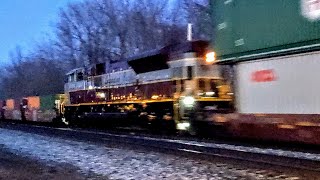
(222, 25)
(310, 9)
(227, 2)
(239, 42)
(266, 75)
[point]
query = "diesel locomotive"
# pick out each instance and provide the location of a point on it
(166, 88)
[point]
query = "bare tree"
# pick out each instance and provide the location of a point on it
(105, 30)
(94, 31)
(36, 74)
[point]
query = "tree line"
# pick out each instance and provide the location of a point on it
(95, 31)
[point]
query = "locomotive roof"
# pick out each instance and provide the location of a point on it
(117, 65)
(74, 70)
(157, 59)
(198, 46)
(149, 61)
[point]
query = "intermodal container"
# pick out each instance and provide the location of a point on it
(33, 102)
(279, 85)
(10, 104)
(47, 102)
(249, 28)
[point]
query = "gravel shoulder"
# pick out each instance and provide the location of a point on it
(16, 167)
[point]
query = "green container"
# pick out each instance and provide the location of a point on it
(47, 102)
(251, 28)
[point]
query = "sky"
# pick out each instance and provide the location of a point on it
(24, 22)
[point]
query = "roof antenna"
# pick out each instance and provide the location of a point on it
(189, 35)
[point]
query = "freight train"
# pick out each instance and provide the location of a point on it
(260, 80)
(263, 83)
(178, 88)
(48, 108)
(164, 89)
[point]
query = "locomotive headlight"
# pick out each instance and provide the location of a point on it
(210, 57)
(188, 101)
(183, 126)
(101, 95)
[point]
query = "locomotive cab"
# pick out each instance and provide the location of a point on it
(201, 88)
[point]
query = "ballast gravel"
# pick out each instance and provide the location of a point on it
(106, 162)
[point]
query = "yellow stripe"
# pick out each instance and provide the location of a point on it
(307, 124)
(148, 101)
(212, 99)
(286, 126)
(123, 102)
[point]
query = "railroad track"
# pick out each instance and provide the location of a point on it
(255, 156)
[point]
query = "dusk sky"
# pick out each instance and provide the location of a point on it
(23, 22)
